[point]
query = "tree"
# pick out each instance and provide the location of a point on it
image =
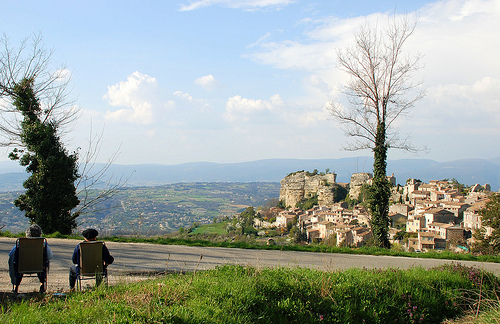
(246, 218)
(307, 203)
(299, 233)
(49, 88)
(378, 93)
(34, 113)
(490, 218)
(50, 191)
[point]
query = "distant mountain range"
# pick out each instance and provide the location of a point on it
(466, 171)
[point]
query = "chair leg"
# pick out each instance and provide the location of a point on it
(98, 280)
(43, 286)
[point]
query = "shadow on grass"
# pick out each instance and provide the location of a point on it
(9, 298)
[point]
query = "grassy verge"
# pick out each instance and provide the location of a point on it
(236, 294)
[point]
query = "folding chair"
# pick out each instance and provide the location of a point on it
(91, 263)
(31, 260)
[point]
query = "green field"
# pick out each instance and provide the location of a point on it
(146, 211)
(219, 228)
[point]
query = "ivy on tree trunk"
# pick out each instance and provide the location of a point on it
(50, 190)
(380, 191)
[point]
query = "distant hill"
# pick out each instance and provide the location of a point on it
(467, 171)
(160, 209)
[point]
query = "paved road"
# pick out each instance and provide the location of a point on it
(135, 261)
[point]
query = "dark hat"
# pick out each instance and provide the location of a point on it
(90, 233)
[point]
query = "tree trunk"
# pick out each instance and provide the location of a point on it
(380, 192)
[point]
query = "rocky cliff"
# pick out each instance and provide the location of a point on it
(357, 181)
(300, 185)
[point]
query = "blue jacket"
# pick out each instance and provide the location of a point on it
(14, 256)
(106, 257)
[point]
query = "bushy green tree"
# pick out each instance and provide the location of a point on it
(34, 111)
(307, 203)
(246, 219)
(50, 191)
(490, 217)
(299, 233)
(339, 193)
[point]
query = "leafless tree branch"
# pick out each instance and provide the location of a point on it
(380, 89)
(93, 177)
(51, 88)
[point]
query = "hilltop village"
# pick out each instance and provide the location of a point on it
(423, 216)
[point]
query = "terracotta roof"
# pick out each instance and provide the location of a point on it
(478, 205)
(442, 225)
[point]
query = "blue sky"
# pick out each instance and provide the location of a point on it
(240, 80)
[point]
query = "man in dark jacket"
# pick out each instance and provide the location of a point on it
(89, 234)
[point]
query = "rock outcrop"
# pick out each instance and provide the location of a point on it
(357, 181)
(300, 185)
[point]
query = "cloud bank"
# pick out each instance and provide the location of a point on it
(236, 4)
(136, 94)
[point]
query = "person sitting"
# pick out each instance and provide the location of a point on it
(15, 277)
(89, 234)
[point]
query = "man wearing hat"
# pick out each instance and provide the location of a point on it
(89, 234)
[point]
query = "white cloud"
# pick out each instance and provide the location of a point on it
(455, 36)
(194, 104)
(207, 82)
(261, 40)
(62, 75)
(459, 68)
(296, 55)
(236, 4)
(318, 50)
(241, 109)
(476, 101)
(183, 95)
(137, 93)
(488, 87)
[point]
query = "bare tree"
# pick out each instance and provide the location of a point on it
(95, 184)
(380, 90)
(31, 62)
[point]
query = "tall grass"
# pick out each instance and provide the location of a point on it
(236, 294)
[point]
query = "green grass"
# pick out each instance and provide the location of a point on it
(217, 228)
(489, 316)
(236, 294)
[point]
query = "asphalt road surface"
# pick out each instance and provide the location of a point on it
(137, 261)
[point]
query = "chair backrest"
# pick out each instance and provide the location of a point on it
(91, 258)
(30, 254)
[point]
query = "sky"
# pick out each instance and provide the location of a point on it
(227, 81)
